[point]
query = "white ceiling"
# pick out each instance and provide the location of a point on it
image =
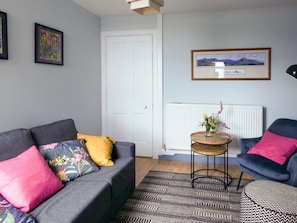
(103, 8)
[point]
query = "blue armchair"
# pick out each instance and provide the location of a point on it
(260, 167)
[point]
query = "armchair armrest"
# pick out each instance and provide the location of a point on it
(247, 143)
(123, 149)
(291, 168)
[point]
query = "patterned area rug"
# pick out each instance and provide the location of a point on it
(164, 197)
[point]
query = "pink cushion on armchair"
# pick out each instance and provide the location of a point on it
(274, 147)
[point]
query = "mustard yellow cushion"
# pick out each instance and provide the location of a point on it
(99, 148)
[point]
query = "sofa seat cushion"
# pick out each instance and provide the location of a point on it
(118, 176)
(264, 167)
(77, 202)
(54, 132)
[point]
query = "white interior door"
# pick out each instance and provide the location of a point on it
(129, 69)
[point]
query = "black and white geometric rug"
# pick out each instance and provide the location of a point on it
(164, 197)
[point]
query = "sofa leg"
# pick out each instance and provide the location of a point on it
(238, 185)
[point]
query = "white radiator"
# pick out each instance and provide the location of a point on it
(183, 119)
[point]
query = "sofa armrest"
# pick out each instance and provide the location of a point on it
(123, 149)
(247, 143)
(292, 169)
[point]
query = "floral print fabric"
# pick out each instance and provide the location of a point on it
(69, 159)
(10, 214)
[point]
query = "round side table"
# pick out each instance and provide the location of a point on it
(214, 145)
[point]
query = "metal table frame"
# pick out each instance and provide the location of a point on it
(206, 148)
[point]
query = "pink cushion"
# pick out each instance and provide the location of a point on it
(275, 147)
(27, 180)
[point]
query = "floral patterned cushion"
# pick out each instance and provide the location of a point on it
(69, 159)
(9, 213)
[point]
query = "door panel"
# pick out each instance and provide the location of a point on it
(129, 90)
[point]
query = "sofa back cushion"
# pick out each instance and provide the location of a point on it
(14, 142)
(58, 131)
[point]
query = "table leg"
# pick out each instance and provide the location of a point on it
(192, 168)
(225, 181)
(207, 166)
(227, 164)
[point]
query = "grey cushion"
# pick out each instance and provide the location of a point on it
(76, 202)
(54, 132)
(14, 142)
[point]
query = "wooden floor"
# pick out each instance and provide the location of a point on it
(143, 165)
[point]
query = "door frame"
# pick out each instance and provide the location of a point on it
(157, 103)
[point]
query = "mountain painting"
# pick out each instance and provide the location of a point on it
(231, 59)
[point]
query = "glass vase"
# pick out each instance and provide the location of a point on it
(208, 131)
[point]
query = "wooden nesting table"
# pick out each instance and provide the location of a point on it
(214, 145)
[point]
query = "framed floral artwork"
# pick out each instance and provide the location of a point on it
(231, 64)
(48, 45)
(3, 36)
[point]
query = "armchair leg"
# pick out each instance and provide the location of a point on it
(238, 185)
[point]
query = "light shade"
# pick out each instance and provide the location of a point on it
(292, 70)
(146, 7)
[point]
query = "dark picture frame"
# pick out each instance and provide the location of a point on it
(231, 64)
(3, 36)
(48, 45)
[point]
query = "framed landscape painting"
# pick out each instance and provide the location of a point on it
(48, 45)
(3, 36)
(231, 64)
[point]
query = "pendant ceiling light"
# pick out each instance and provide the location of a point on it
(146, 7)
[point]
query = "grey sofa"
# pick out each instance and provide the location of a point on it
(95, 197)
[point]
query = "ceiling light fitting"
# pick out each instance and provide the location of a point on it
(146, 7)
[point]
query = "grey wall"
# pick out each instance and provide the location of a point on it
(273, 27)
(33, 94)
(270, 27)
(127, 23)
